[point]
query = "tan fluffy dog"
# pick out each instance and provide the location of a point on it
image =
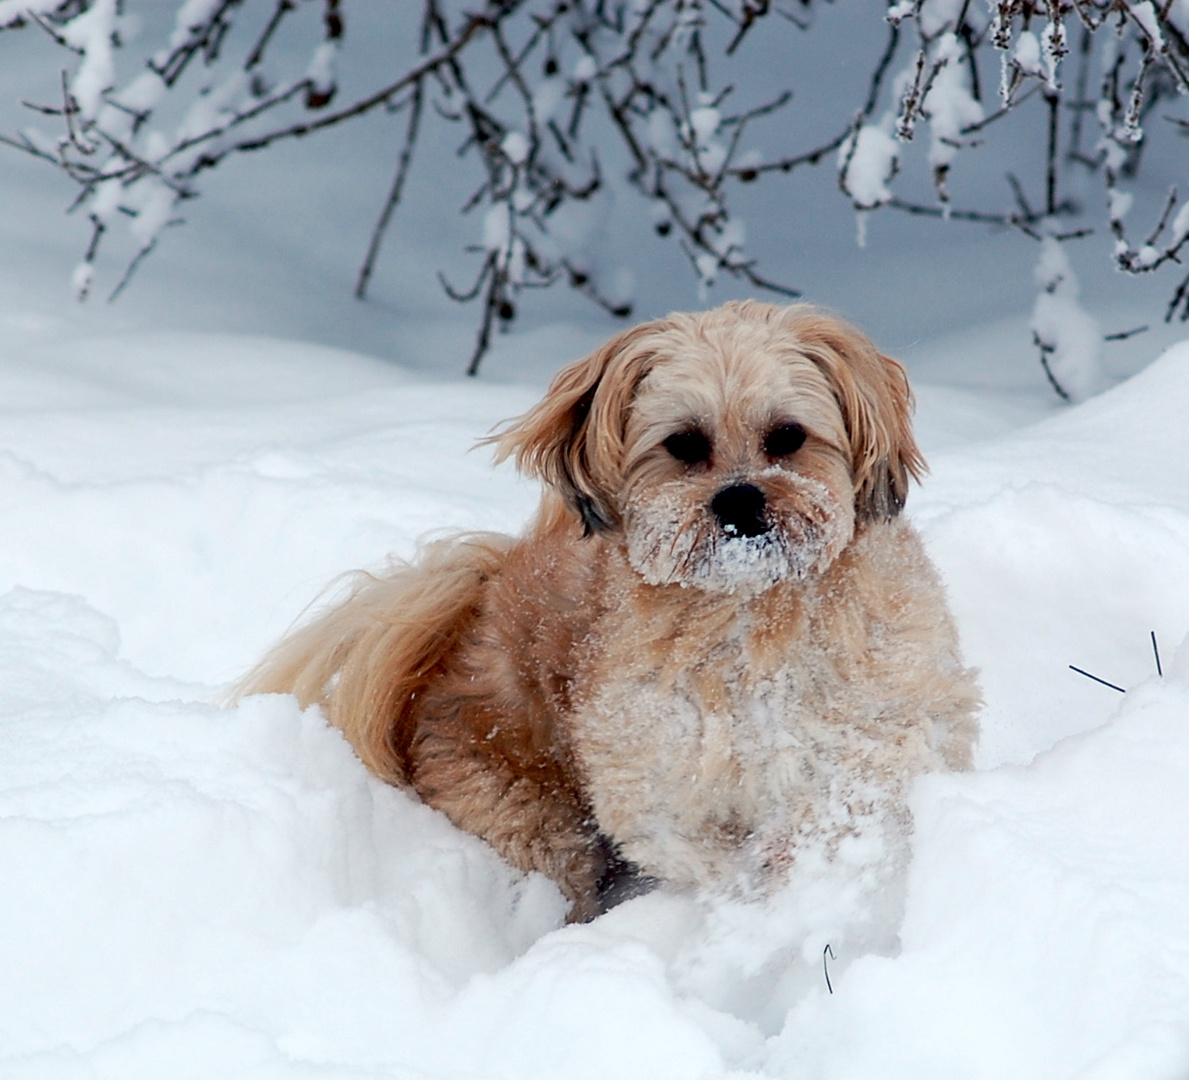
(717, 642)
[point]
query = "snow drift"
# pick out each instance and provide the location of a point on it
(192, 891)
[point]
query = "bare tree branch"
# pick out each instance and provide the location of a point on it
(558, 102)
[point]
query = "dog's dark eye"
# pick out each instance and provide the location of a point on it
(690, 447)
(784, 440)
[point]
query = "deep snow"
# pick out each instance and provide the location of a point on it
(193, 891)
(189, 891)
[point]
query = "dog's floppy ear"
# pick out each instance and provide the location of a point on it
(873, 393)
(573, 438)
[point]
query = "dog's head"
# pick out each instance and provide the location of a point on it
(732, 449)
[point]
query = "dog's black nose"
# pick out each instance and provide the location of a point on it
(740, 510)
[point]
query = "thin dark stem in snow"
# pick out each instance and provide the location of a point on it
(1156, 653)
(827, 952)
(1097, 679)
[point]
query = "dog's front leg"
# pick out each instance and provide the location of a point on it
(533, 817)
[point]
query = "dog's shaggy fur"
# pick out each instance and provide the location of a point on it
(717, 642)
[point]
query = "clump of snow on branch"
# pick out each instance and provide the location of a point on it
(1069, 337)
(951, 108)
(90, 35)
(868, 160)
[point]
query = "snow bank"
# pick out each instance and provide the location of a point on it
(201, 490)
(1047, 932)
(1067, 543)
(191, 891)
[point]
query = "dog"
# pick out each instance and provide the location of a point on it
(717, 643)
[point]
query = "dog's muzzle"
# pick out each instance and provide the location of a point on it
(740, 510)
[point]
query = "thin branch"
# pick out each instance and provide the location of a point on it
(491, 302)
(394, 194)
(282, 8)
(1046, 350)
(476, 25)
(130, 270)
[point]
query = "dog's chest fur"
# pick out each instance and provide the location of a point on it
(715, 735)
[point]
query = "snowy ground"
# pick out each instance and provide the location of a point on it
(187, 891)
